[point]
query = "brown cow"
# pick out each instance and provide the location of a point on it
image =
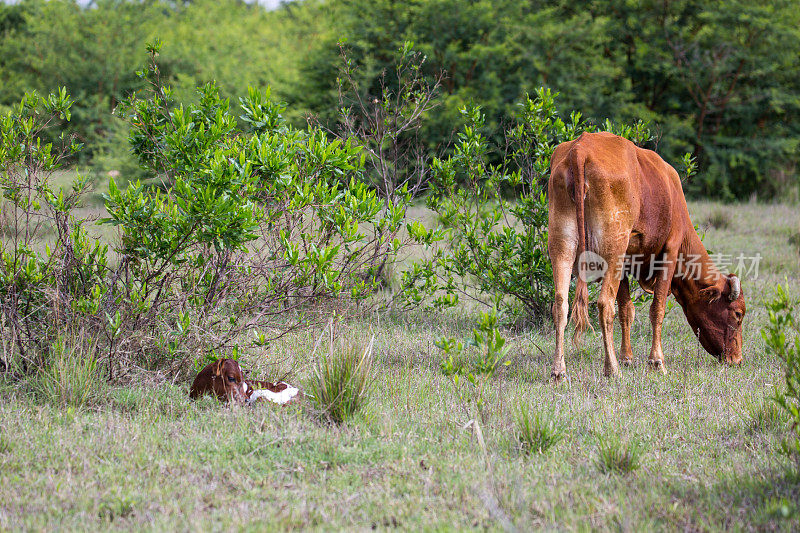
(625, 204)
(223, 378)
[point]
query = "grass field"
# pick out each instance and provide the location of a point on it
(148, 458)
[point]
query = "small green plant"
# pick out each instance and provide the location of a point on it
(5, 444)
(492, 353)
(537, 431)
(71, 377)
(116, 507)
(617, 455)
(340, 384)
(719, 219)
(782, 337)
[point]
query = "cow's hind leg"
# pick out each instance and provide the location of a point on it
(626, 314)
(605, 306)
(562, 257)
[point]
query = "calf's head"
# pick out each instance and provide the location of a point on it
(716, 317)
(222, 378)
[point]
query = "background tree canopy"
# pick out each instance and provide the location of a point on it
(718, 78)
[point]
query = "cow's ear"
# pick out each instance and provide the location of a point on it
(218, 371)
(711, 294)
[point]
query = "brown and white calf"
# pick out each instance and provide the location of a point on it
(225, 380)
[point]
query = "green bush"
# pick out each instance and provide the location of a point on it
(51, 271)
(618, 456)
(492, 244)
(249, 227)
(537, 431)
(254, 216)
(341, 380)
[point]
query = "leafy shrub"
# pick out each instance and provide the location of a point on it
(537, 432)
(494, 217)
(49, 268)
(782, 337)
(252, 225)
(340, 384)
(71, 377)
(615, 455)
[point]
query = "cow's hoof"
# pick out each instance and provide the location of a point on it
(610, 371)
(558, 376)
(627, 363)
(657, 365)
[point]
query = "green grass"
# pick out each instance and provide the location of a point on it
(764, 415)
(70, 377)
(537, 431)
(339, 386)
(148, 458)
(618, 456)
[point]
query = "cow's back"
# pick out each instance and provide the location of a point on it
(630, 192)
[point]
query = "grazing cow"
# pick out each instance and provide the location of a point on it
(223, 378)
(617, 210)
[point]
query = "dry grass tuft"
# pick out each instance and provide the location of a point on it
(719, 218)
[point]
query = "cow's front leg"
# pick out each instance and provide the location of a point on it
(665, 269)
(626, 314)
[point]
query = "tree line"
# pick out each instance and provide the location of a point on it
(715, 78)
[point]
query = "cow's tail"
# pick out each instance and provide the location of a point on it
(580, 307)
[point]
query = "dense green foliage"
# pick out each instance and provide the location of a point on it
(253, 224)
(716, 78)
(94, 51)
(491, 246)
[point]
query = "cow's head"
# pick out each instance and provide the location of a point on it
(228, 380)
(716, 317)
